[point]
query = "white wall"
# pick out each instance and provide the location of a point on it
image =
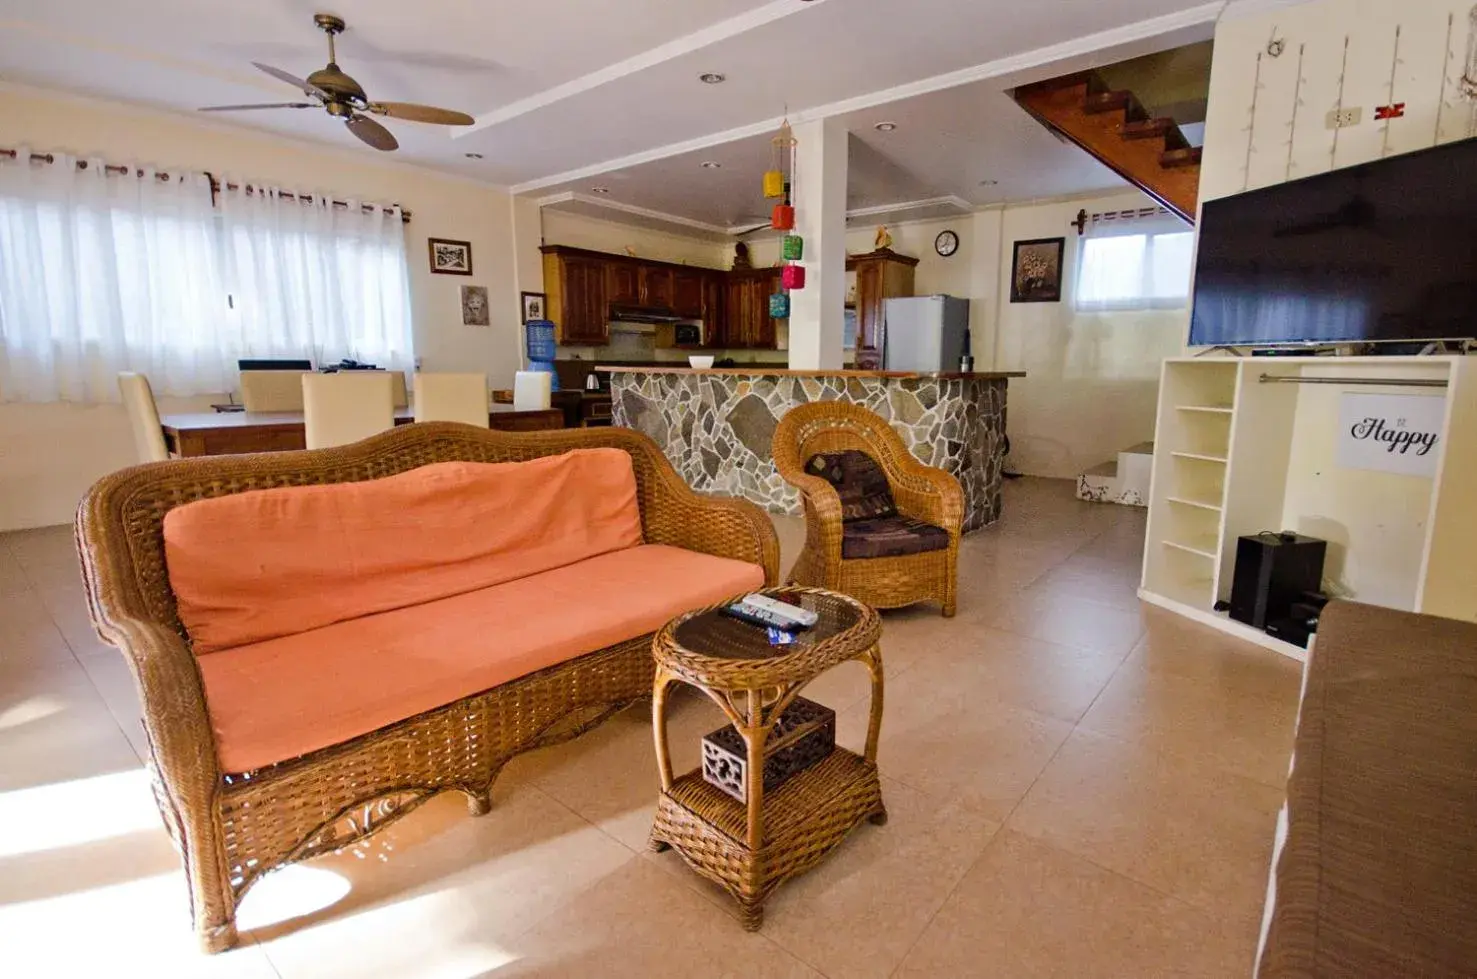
(1281, 133)
(1092, 379)
(617, 238)
(50, 454)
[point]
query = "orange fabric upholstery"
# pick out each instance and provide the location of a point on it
(275, 700)
(257, 565)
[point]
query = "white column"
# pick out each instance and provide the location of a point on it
(820, 218)
(528, 267)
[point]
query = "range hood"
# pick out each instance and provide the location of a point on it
(642, 314)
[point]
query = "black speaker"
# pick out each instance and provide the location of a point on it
(1272, 572)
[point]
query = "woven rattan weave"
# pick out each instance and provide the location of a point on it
(231, 828)
(919, 491)
(749, 849)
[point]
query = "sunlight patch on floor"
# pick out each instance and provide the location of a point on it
(46, 817)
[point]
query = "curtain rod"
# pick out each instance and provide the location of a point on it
(1412, 382)
(215, 185)
(1081, 221)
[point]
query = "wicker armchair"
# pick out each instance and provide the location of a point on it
(230, 827)
(920, 492)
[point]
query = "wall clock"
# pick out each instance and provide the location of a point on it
(946, 244)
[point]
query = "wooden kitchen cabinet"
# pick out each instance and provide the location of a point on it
(715, 309)
(748, 322)
(687, 293)
(622, 283)
(880, 276)
(576, 300)
(656, 286)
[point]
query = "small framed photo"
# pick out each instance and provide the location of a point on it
(533, 306)
(450, 257)
(475, 307)
(1036, 271)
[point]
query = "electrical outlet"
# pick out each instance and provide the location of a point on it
(1343, 118)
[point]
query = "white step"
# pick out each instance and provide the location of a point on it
(1125, 481)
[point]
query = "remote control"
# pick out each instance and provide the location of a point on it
(756, 616)
(795, 612)
(759, 613)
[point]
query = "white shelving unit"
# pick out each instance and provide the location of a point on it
(1236, 455)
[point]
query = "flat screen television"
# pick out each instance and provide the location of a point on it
(1379, 252)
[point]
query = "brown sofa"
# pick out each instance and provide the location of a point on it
(310, 668)
(1375, 873)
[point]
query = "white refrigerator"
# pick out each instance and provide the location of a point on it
(925, 333)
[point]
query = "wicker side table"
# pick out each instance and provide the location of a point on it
(750, 848)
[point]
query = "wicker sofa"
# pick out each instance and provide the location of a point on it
(233, 826)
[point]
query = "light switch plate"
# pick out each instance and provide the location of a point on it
(1343, 118)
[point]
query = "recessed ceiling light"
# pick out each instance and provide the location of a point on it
(474, 156)
(599, 190)
(988, 183)
(885, 127)
(711, 165)
(712, 78)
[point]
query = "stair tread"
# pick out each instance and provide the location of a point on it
(1189, 157)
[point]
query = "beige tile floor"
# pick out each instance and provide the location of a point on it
(1078, 787)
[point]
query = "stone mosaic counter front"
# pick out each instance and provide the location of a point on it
(716, 425)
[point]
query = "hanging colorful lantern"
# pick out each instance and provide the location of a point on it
(779, 306)
(775, 184)
(783, 218)
(792, 248)
(793, 277)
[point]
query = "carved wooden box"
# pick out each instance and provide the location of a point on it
(804, 734)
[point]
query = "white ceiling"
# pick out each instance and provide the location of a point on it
(567, 89)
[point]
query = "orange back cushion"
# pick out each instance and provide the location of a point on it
(267, 563)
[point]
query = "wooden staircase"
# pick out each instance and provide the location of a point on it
(1150, 153)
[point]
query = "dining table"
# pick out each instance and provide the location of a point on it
(212, 433)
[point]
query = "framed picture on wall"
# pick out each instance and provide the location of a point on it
(1036, 271)
(476, 311)
(533, 306)
(450, 257)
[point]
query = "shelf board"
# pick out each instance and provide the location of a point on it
(1206, 409)
(1198, 548)
(1201, 504)
(1199, 456)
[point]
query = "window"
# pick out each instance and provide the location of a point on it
(101, 273)
(1134, 262)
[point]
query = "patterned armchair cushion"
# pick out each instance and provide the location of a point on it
(890, 537)
(859, 481)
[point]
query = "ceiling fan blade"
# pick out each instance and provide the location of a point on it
(259, 105)
(371, 132)
(411, 112)
(307, 88)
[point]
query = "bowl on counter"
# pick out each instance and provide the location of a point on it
(701, 363)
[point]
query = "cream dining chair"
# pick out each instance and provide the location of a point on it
(347, 406)
(272, 390)
(143, 416)
(446, 397)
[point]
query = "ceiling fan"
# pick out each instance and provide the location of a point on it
(342, 97)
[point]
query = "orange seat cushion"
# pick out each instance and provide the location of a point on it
(274, 700)
(257, 565)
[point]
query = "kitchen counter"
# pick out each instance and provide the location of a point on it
(716, 424)
(769, 371)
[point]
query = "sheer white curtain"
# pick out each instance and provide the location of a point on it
(315, 280)
(1134, 260)
(104, 272)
